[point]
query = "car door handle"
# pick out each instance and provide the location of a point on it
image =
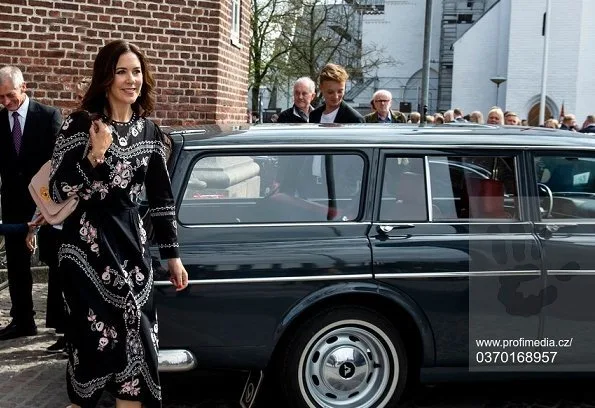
(388, 228)
(556, 227)
(547, 230)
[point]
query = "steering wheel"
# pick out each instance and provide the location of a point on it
(546, 210)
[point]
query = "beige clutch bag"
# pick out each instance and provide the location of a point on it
(39, 189)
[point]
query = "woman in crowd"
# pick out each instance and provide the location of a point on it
(106, 154)
(476, 117)
(495, 116)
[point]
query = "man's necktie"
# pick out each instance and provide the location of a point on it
(17, 133)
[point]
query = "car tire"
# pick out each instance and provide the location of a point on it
(344, 357)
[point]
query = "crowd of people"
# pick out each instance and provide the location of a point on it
(332, 81)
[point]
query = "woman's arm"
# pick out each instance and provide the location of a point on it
(73, 171)
(162, 211)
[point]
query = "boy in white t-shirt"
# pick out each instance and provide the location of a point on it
(332, 80)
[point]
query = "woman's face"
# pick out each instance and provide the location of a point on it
(332, 91)
(128, 80)
(494, 119)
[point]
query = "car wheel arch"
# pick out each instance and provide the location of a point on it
(405, 314)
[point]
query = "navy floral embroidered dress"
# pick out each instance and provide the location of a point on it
(104, 258)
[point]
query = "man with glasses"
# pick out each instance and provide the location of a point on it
(381, 103)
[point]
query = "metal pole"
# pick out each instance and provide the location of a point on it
(425, 78)
(546, 51)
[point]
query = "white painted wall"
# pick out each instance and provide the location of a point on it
(526, 55)
(508, 41)
(400, 32)
(585, 80)
(479, 55)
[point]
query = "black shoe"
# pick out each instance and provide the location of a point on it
(58, 347)
(15, 330)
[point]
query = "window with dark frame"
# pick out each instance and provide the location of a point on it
(273, 188)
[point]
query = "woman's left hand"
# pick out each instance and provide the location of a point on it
(177, 273)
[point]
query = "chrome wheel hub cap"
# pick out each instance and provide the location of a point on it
(347, 367)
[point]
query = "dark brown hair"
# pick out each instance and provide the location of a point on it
(104, 70)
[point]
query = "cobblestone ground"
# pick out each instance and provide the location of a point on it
(31, 378)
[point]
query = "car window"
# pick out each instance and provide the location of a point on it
(566, 186)
(473, 187)
(273, 188)
(403, 190)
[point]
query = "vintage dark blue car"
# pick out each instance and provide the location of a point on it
(347, 262)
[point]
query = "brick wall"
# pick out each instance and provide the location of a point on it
(201, 77)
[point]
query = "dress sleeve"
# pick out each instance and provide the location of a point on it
(161, 201)
(71, 172)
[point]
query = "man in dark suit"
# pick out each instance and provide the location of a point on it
(381, 103)
(332, 81)
(28, 132)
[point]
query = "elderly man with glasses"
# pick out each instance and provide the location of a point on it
(381, 103)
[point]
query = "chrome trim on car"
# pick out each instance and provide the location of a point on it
(176, 360)
(272, 279)
(429, 197)
(560, 221)
(280, 224)
(297, 146)
(455, 222)
(468, 274)
(334, 224)
(571, 272)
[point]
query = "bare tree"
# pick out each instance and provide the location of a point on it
(267, 22)
(293, 38)
(328, 31)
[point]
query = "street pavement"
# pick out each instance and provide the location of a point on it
(29, 377)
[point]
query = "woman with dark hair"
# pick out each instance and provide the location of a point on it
(106, 154)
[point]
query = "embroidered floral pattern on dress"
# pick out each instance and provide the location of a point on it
(98, 187)
(154, 335)
(71, 190)
(139, 277)
(131, 312)
(66, 123)
(88, 233)
(108, 334)
(134, 344)
(130, 387)
(122, 174)
(142, 231)
(135, 192)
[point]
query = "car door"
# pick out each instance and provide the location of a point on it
(259, 231)
(565, 184)
(450, 234)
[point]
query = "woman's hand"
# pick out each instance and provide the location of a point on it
(100, 138)
(37, 221)
(177, 273)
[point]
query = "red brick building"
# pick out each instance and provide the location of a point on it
(198, 48)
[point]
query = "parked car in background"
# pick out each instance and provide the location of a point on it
(346, 262)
